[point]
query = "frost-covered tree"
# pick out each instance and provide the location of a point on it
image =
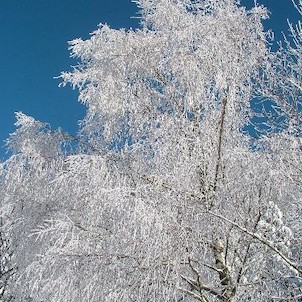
(160, 197)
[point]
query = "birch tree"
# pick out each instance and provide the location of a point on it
(160, 197)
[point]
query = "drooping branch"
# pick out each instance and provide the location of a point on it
(262, 240)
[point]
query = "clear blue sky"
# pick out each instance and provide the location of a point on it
(34, 35)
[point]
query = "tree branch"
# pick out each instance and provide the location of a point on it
(201, 287)
(219, 150)
(262, 240)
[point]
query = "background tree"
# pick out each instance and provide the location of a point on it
(161, 196)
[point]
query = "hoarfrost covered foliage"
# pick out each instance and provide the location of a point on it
(160, 197)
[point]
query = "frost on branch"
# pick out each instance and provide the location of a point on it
(271, 227)
(280, 99)
(163, 198)
(186, 63)
(34, 138)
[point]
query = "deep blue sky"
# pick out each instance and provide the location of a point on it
(34, 35)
